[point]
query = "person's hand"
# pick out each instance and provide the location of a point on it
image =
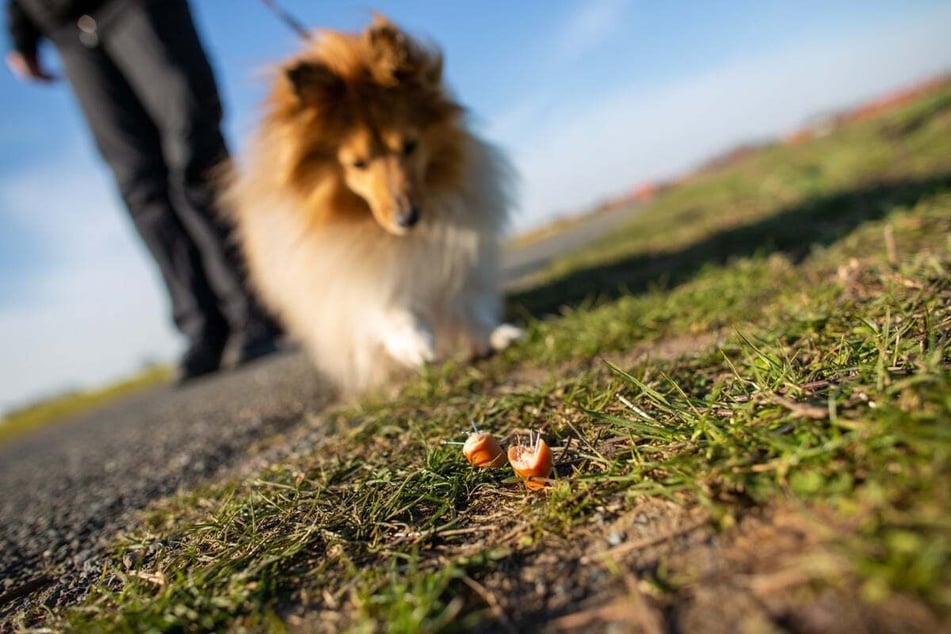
(28, 67)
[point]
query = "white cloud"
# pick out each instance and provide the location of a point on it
(99, 310)
(593, 22)
(571, 156)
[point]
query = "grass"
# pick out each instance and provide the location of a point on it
(60, 408)
(747, 392)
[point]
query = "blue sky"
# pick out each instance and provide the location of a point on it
(588, 97)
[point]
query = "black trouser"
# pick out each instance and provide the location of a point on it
(149, 96)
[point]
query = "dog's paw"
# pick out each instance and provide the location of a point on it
(411, 344)
(504, 335)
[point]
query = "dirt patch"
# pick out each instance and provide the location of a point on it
(662, 568)
(666, 349)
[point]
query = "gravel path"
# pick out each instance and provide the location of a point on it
(65, 490)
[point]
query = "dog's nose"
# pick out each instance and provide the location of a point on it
(406, 218)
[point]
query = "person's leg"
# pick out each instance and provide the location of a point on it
(158, 50)
(129, 143)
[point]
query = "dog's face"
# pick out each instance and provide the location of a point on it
(371, 109)
(386, 167)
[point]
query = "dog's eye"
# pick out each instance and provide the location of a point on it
(409, 147)
(359, 164)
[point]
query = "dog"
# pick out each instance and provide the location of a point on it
(369, 214)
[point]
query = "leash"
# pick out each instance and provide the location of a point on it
(289, 20)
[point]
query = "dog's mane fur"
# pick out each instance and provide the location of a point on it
(344, 80)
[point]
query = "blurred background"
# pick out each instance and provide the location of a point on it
(595, 100)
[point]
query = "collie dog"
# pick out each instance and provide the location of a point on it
(369, 215)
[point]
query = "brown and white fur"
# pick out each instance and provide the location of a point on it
(369, 215)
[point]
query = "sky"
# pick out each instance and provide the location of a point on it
(588, 97)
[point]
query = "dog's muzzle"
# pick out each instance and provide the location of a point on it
(407, 218)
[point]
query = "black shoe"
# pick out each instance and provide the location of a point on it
(249, 349)
(201, 359)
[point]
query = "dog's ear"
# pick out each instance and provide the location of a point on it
(396, 59)
(314, 83)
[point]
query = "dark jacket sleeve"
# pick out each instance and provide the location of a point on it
(24, 34)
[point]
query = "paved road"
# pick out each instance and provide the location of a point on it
(65, 490)
(537, 256)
